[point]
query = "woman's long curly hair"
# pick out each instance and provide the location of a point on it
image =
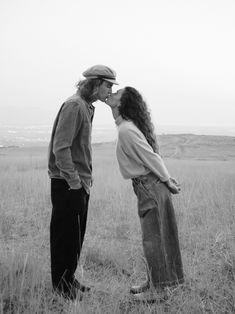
(134, 108)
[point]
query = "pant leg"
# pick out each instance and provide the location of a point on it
(67, 230)
(153, 244)
(173, 260)
(82, 222)
(159, 234)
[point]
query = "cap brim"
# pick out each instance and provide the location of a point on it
(111, 81)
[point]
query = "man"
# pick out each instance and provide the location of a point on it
(70, 170)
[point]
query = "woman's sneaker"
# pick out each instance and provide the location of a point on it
(151, 296)
(141, 288)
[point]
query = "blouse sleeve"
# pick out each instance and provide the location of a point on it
(137, 147)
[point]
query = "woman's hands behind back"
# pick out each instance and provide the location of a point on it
(173, 186)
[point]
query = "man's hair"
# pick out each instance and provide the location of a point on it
(134, 108)
(88, 88)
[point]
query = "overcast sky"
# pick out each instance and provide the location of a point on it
(178, 53)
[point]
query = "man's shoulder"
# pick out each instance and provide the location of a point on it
(74, 103)
(76, 98)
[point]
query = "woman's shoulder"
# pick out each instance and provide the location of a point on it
(128, 129)
(126, 125)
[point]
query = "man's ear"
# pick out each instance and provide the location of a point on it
(96, 92)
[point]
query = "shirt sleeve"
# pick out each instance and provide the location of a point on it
(137, 147)
(69, 123)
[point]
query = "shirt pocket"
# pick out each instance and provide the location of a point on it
(85, 133)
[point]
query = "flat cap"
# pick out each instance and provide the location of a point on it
(101, 71)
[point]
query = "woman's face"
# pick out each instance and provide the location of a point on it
(114, 99)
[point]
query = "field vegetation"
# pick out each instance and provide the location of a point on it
(112, 257)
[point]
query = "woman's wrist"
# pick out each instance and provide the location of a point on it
(167, 182)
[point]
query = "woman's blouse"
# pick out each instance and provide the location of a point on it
(134, 154)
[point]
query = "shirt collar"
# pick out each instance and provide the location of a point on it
(90, 106)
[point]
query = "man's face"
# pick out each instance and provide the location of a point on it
(105, 89)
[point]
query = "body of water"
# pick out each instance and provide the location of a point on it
(39, 135)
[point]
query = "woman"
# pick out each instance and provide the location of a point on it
(138, 157)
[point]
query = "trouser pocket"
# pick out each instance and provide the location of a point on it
(144, 199)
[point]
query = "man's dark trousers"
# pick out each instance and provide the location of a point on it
(67, 230)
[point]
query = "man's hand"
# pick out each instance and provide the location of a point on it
(76, 187)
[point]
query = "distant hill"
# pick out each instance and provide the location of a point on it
(190, 146)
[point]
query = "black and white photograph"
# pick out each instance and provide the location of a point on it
(117, 157)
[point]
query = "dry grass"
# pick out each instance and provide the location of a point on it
(112, 257)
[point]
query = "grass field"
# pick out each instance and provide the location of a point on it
(112, 257)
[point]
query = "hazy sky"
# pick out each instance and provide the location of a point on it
(180, 54)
